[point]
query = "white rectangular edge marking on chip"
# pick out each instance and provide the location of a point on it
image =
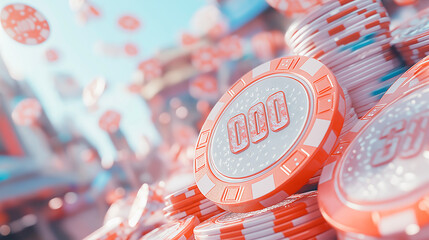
(311, 66)
(330, 142)
(328, 171)
(396, 222)
(395, 86)
(263, 68)
(263, 187)
(317, 133)
(205, 184)
(215, 110)
(190, 193)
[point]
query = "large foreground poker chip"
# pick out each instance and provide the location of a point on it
(177, 230)
(374, 184)
(269, 134)
(24, 24)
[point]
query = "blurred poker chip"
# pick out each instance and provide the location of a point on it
(131, 49)
(293, 8)
(206, 59)
(231, 47)
(129, 22)
(209, 20)
(67, 86)
(204, 87)
(187, 39)
(151, 69)
(266, 45)
(24, 24)
(52, 55)
(93, 91)
(27, 112)
(110, 121)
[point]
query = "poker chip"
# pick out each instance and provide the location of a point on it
(352, 38)
(189, 202)
(110, 121)
(24, 24)
(411, 38)
(296, 215)
(151, 69)
(187, 39)
(204, 87)
(238, 164)
(181, 229)
(93, 91)
(365, 185)
(131, 49)
(113, 229)
(206, 58)
(51, 55)
(230, 47)
(139, 205)
(129, 23)
(291, 8)
(266, 45)
(27, 112)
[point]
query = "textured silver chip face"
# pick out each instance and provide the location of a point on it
(260, 155)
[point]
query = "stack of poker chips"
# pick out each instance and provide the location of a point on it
(297, 217)
(189, 202)
(411, 38)
(352, 38)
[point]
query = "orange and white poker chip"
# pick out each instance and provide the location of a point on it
(24, 24)
(269, 134)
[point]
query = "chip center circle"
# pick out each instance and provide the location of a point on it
(258, 157)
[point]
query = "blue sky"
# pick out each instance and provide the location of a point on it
(162, 21)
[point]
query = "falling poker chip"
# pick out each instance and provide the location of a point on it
(128, 22)
(27, 112)
(24, 24)
(110, 121)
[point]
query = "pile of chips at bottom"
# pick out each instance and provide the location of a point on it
(352, 38)
(189, 202)
(297, 217)
(141, 216)
(375, 184)
(411, 38)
